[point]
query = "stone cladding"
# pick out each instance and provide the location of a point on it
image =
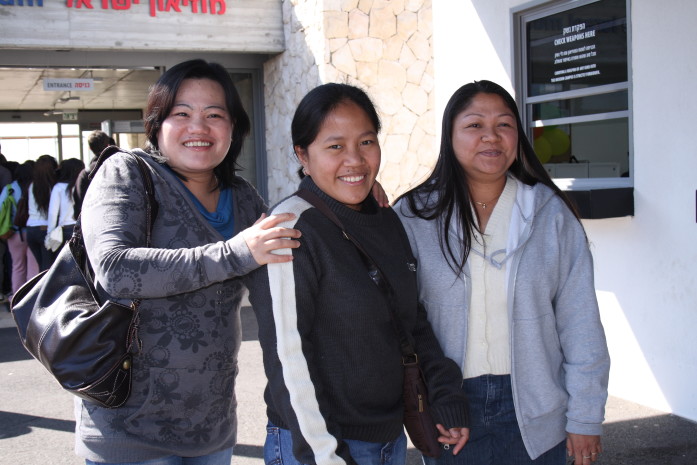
(383, 46)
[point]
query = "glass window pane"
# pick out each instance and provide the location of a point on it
(26, 141)
(597, 149)
(87, 154)
(247, 159)
(602, 103)
(70, 140)
(578, 48)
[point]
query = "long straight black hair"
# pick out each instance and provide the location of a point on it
(446, 189)
(67, 172)
(43, 179)
(24, 175)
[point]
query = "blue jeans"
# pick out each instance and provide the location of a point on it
(278, 449)
(35, 241)
(495, 438)
(223, 457)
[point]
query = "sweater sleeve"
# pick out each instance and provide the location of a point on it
(81, 184)
(114, 223)
(443, 376)
(285, 324)
(581, 335)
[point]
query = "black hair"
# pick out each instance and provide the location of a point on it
(24, 175)
(98, 141)
(314, 108)
(447, 190)
(68, 171)
(161, 100)
(43, 179)
(12, 166)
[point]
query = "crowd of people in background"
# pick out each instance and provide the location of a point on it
(43, 222)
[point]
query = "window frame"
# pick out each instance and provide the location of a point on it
(521, 16)
(257, 128)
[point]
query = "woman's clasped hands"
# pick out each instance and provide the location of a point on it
(453, 436)
(265, 237)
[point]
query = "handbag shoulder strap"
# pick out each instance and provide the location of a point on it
(152, 206)
(77, 243)
(374, 271)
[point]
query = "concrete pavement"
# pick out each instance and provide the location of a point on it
(36, 420)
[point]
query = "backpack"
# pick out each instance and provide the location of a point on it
(22, 214)
(9, 205)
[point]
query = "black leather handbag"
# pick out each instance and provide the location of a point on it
(87, 345)
(418, 420)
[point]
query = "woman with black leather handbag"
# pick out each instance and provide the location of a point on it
(210, 229)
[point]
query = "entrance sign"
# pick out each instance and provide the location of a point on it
(64, 84)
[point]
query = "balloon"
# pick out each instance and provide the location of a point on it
(558, 140)
(543, 149)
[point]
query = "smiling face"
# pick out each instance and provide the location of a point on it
(485, 138)
(344, 158)
(196, 135)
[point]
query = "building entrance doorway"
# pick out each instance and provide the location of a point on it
(41, 114)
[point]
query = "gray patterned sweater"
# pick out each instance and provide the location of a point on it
(182, 401)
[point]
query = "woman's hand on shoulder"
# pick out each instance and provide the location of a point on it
(380, 195)
(265, 236)
(453, 436)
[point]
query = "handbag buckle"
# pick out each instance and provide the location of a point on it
(410, 359)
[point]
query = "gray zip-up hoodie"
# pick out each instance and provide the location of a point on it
(559, 358)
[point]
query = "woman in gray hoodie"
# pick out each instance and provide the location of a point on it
(506, 276)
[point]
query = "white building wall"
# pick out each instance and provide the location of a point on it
(646, 265)
(287, 78)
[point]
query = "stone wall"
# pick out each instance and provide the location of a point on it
(382, 46)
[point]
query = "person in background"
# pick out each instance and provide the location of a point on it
(43, 179)
(61, 207)
(5, 179)
(331, 353)
(210, 231)
(24, 265)
(97, 141)
(12, 166)
(5, 172)
(506, 276)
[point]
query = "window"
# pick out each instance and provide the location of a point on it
(26, 141)
(574, 89)
(247, 161)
